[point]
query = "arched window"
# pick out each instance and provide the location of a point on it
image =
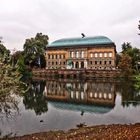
(72, 65)
(82, 64)
(95, 62)
(77, 65)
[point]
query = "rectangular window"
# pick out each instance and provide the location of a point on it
(48, 56)
(96, 55)
(110, 54)
(77, 54)
(52, 56)
(110, 62)
(72, 54)
(91, 55)
(100, 62)
(105, 62)
(105, 54)
(82, 54)
(100, 54)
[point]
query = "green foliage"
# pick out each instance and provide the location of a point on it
(10, 80)
(134, 53)
(20, 65)
(4, 53)
(16, 56)
(10, 87)
(125, 65)
(118, 58)
(34, 50)
(130, 95)
(126, 46)
(137, 85)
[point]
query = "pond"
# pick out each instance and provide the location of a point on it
(62, 104)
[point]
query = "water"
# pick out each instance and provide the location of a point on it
(58, 104)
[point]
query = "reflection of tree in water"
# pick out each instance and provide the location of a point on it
(8, 106)
(130, 96)
(34, 99)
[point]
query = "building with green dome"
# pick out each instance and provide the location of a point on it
(97, 52)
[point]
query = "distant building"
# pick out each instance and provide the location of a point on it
(97, 52)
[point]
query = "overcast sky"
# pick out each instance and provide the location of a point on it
(22, 19)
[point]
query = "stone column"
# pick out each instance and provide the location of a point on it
(74, 65)
(79, 64)
(85, 64)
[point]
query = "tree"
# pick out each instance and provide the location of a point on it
(16, 56)
(34, 99)
(118, 57)
(4, 53)
(125, 65)
(126, 46)
(134, 53)
(34, 50)
(21, 65)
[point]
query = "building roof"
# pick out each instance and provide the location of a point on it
(81, 41)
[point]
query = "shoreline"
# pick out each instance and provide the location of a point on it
(105, 132)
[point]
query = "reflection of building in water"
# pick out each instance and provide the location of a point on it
(80, 92)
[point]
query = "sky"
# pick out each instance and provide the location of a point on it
(22, 19)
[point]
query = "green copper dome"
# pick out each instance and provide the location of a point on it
(81, 41)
